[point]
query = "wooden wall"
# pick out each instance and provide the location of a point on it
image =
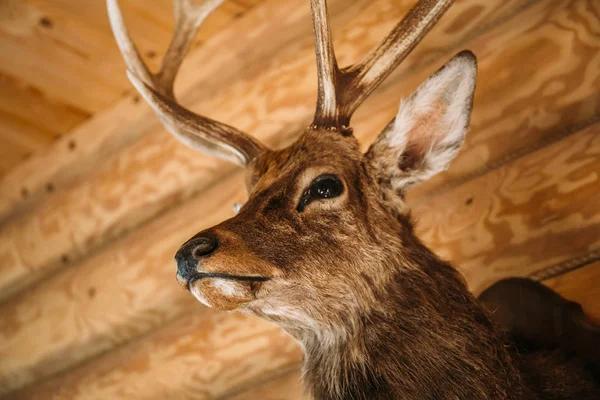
(89, 224)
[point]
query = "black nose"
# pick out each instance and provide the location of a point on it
(188, 255)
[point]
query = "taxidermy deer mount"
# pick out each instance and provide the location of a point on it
(324, 247)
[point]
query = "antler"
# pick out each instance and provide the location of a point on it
(341, 91)
(194, 130)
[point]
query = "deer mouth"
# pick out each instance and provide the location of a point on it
(202, 275)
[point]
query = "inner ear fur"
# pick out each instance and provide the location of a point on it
(429, 128)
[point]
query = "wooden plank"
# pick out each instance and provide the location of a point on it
(527, 215)
(21, 133)
(565, 173)
(93, 216)
(198, 357)
(581, 286)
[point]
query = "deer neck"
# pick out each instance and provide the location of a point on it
(424, 337)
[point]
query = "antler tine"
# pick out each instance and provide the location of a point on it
(377, 65)
(130, 53)
(188, 18)
(194, 130)
(342, 91)
(327, 69)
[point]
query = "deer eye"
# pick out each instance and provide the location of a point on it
(326, 187)
(323, 187)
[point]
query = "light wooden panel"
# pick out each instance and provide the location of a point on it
(29, 121)
(262, 106)
(61, 59)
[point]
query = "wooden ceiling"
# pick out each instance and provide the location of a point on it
(60, 65)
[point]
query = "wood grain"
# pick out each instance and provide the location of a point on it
(25, 103)
(522, 217)
(198, 357)
(263, 107)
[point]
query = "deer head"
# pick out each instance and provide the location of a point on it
(325, 226)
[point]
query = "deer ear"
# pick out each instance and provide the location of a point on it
(429, 128)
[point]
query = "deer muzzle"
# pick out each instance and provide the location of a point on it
(194, 254)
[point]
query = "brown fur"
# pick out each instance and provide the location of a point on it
(378, 315)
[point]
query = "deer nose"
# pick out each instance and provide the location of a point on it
(192, 252)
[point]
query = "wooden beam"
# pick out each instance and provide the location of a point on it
(25, 102)
(111, 201)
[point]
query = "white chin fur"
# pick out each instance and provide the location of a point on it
(198, 295)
